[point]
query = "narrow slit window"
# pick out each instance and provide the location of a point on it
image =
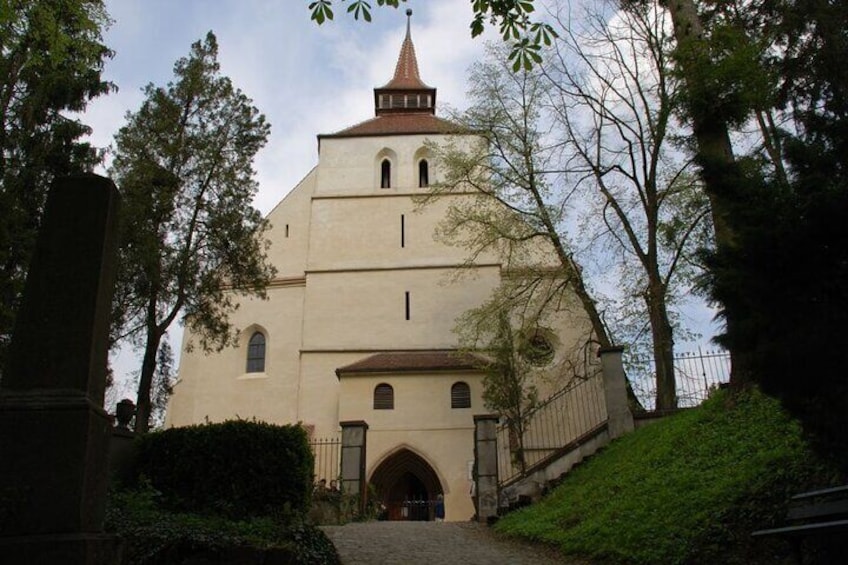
(256, 353)
(386, 174)
(406, 300)
(423, 173)
(384, 397)
(402, 231)
(287, 230)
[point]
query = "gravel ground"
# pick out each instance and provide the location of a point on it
(433, 543)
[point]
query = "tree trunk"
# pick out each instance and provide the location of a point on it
(719, 170)
(663, 347)
(145, 383)
(572, 271)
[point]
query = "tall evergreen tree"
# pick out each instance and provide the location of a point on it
(51, 59)
(785, 275)
(190, 236)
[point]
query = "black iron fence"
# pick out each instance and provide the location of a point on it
(418, 510)
(562, 421)
(696, 373)
(327, 455)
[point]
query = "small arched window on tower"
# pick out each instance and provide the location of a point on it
(256, 353)
(384, 397)
(386, 174)
(460, 395)
(423, 173)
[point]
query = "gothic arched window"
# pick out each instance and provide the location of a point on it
(386, 174)
(423, 173)
(256, 353)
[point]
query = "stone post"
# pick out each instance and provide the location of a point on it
(54, 433)
(486, 463)
(620, 419)
(354, 435)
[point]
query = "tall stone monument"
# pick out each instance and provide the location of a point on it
(54, 432)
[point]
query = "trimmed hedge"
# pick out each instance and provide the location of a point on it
(152, 536)
(237, 469)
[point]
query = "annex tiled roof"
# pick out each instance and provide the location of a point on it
(414, 361)
(395, 124)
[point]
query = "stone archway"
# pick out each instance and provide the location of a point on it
(407, 486)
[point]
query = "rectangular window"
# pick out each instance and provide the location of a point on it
(287, 230)
(407, 304)
(402, 231)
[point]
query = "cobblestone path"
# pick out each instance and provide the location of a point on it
(431, 543)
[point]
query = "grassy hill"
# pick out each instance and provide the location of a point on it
(688, 489)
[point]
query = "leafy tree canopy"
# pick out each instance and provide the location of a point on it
(513, 18)
(51, 58)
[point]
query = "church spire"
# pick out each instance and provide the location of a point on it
(406, 92)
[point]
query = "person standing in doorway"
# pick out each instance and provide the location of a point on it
(439, 509)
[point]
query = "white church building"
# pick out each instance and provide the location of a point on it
(358, 324)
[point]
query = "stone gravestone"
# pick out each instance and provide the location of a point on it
(54, 432)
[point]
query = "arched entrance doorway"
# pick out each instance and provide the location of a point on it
(407, 486)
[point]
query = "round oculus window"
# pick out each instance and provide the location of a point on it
(538, 350)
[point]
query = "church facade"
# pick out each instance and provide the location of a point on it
(358, 324)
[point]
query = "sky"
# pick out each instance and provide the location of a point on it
(306, 79)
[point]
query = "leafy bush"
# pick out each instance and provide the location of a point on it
(154, 536)
(236, 469)
(690, 488)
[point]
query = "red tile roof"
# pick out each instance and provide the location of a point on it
(398, 124)
(415, 362)
(406, 71)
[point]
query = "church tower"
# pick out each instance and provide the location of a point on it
(358, 325)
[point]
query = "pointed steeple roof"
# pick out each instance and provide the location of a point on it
(406, 71)
(403, 106)
(406, 93)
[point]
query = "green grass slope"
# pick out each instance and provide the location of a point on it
(688, 489)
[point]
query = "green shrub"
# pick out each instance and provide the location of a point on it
(236, 469)
(153, 536)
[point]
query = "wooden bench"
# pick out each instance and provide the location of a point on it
(822, 513)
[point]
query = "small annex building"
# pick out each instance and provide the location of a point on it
(358, 324)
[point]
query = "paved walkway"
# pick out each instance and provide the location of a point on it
(431, 543)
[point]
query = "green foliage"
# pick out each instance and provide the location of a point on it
(154, 535)
(729, 78)
(507, 384)
(51, 59)
(512, 17)
(190, 237)
(236, 469)
(686, 489)
(321, 10)
(779, 279)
